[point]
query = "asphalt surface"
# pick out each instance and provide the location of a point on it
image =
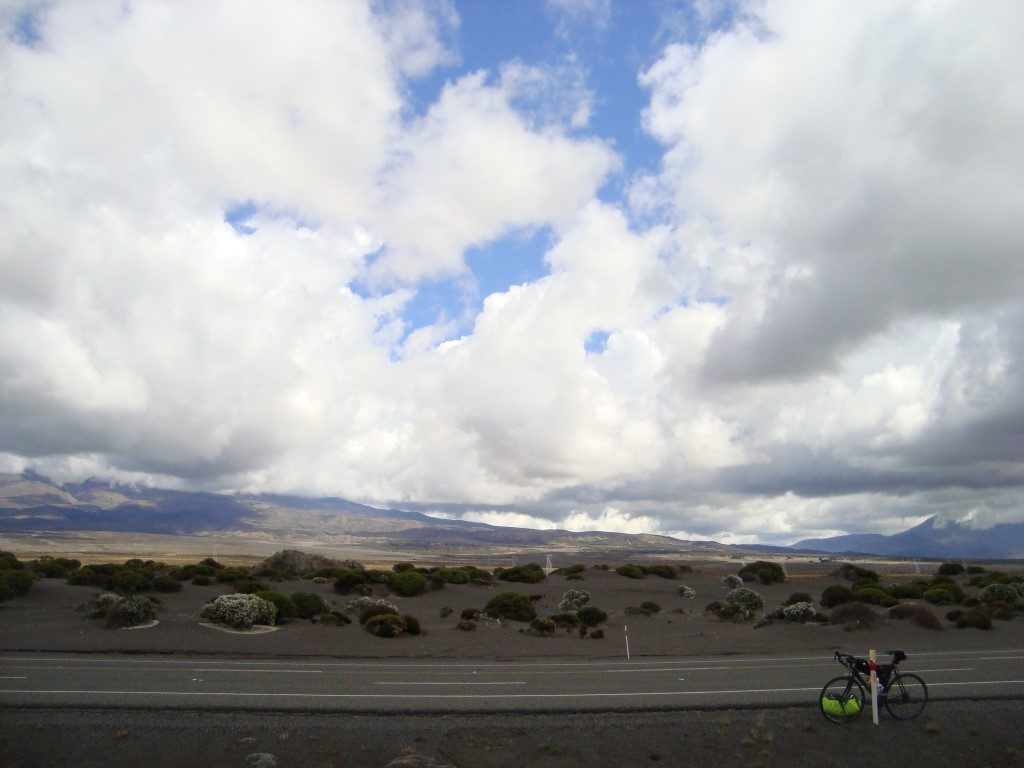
(167, 682)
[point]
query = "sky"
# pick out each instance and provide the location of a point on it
(751, 271)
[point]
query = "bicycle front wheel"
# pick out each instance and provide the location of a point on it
(842, 699)
(906, 697)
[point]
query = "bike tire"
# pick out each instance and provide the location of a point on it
(906, 697)
(848, 695)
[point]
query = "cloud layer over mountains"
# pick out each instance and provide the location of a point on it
(806, 318)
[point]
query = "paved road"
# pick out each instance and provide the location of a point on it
(135, 682)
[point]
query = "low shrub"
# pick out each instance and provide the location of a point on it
(874, 596)
(949, 584)
(591, 616)
(408, 583)
(512, 606)
(573, 600)
(950, 569)
(630, 571)
(166, 583)
(732, 581)
(83, 577)
(231, 574)
(412, 625)
(248, 586)
(284, 606)
(940, 596)
(565, 620)
(687, 593)
(543, 626)
(336, 618)
(1000, 610)
(851, 572)
(853, 615)
(360, 604)
(799, 611)
(646, 608)
(202, 581)
(239, 611)
(52, 567)
(531, 573)
(597, 634)
(131, 611)
(764, 571)
(348, 579)
(741, 604)
(308, 604)
(466, 626)
(385, 625)
(469, 614)
(973, 570)
(403, 567)
(664, 571)
(977, 618)
(799, 597)
(836, 594)
(1002, 593)
(576, 569)
(918, 614)
(16, 583)
(684, 568)
(910, 591)
(375, 610)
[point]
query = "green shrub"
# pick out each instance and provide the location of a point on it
(974, 617)
(239, 611)
(686, 592)
(511, 606)
(469, 614)
(853, 615)
(1002, 593)
(543, 626)
(576, 569)
(764, 571)
(375, 610)
(940, 596)
(664, 571)
(131, 611)
(530, 573)
(385, 625)
(874, 596)
(231, 574)
(16, 583)
(646, 608)
(377, 576)
(920, 615)
(906, 591)
(565, 619)
(202, 581)
(851, 572)
(948, 584)
(974, 569)
(412, 625)
(53, 567)
(741, 604)
(403, 567)
(284, 606)
(128, 581)
(799, 597)
(1000, 610)
(466, 626)
(307, 605)
(166, 583)
(248, 586)
(836, 594)
(591, 616)
(408, 583)
(630, 571)
(950, 569)
(348, 579)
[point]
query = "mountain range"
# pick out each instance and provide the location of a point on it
(32, 503)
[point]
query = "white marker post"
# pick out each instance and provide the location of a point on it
(873, 666)
(626, 629)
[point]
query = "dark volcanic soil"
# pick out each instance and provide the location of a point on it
(46, 620)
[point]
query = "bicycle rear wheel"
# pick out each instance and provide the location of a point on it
(906, 696)
(842, 699)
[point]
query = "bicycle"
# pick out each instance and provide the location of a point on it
(843, 698)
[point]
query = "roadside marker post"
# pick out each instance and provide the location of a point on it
(873, 667)
(626, 629)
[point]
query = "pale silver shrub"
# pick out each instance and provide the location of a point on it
(360, 604)
(573, 600)
(131, 611)
(687, 592)
(732, 581)
(799, 612)
(240, 611)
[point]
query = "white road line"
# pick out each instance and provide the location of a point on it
(980, 682)
(945, 669)
(395, 682)
(15, 677)
(257, 671)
